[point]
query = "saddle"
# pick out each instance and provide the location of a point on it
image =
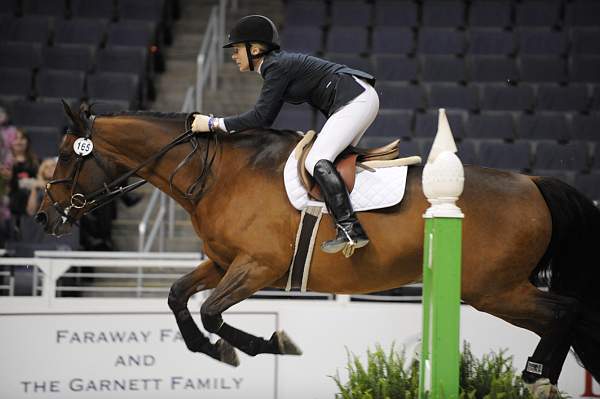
(348, 161)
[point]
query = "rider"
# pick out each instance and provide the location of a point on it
(346, 96)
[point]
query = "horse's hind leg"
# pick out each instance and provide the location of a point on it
(549, 315)
(207, 275)
(243, 278)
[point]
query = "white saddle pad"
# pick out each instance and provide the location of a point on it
(372, 190)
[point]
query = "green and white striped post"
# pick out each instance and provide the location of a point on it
(443, 180)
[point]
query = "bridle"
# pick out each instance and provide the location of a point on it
(109, 191)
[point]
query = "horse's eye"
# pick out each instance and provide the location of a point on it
(64, 157)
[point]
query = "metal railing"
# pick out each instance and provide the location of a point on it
(161, 208)
(57, 274)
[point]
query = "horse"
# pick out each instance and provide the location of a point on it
(518, 230)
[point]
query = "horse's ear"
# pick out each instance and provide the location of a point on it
(74, 118)
(85, 110)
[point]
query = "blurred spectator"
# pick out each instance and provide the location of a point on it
(7, 136)
(44, 175)
(24, 172)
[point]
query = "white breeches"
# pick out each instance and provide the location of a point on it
(346, 126)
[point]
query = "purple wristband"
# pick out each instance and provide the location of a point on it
(210, 123)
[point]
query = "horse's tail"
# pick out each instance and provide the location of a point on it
(570, 266)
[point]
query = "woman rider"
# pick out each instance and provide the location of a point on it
(346, 96)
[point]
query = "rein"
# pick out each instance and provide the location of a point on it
(110, 191)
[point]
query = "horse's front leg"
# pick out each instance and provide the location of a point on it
(206, 276)
(244, 277)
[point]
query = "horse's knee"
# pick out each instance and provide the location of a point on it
(176, 298)
(211, 320)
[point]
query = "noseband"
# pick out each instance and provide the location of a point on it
(109, 191)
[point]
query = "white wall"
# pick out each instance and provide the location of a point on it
(42, 356)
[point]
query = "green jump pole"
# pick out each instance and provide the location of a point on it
(443, 179)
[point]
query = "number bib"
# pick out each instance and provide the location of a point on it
(83, 146)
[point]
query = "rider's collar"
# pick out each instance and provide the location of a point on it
(260, 65)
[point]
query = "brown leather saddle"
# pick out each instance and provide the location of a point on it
(347, 162)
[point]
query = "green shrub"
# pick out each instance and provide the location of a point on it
(384, 377)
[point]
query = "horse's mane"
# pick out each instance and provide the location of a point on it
(271, 146)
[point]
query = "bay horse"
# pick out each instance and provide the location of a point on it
(517, 230)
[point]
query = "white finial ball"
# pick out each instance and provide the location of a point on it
(444, 178)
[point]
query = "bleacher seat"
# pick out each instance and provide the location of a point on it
(80, 31)
(302, 39)
(393, 124)
(453, 96)
(426, 124)
(353, 61)
(582, 13)
(537, 13)
(441, 41)
(346, 39)
(543, 126)
(395, 68)
(295, 118)
(587, 127)
(596, 98)
(12, 7)
(32, 29)
(69, 57)
(393, 40)
(305, 13)
(48, 115)
(492, 69)
(406, 148)
(491, 42)
(52, 8)
(56, 84)
(542, 69)
(501, 155)
(585, 41)
(491, 125)
(494, 13)
(541, 42)
(45, 141)
(584, 69)
(93, 9)
(350, 13)
(589, 184)
(408, 97)
(443, 69)
(114, 87)
(402, 13)
(503, 98)
(104, 106)
(467, 153)
(440, 13)
(550, 155)
(146, 10)
(130, 33)
(7, 27)
(20, 55)
(15, 84)
(123, 60)
(560, 98)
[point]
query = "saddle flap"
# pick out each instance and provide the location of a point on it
(345, 163)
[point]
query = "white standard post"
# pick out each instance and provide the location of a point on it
(443, 180)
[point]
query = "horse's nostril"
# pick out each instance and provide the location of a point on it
(41, 218)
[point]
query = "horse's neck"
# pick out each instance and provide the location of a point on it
(132, 141)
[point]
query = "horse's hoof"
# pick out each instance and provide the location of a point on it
(286, 345)
(543, 389)
(227, 353)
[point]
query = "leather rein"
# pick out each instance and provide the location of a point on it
(110, 191)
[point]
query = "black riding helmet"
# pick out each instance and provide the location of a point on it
(257, 29)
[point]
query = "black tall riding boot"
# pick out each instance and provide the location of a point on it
(350, 234)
